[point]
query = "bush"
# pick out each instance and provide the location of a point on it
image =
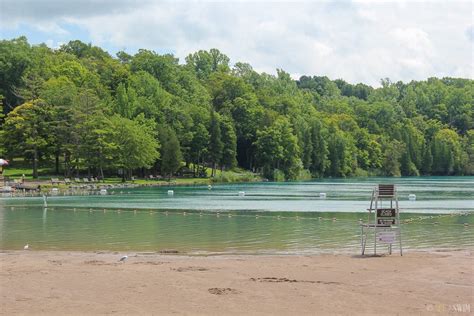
(278, 175)
(304, 174)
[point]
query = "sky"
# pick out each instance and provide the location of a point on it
(358, 41)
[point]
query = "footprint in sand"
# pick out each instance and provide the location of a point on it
(222, 291)
(273, 279)
(97, 263)
(153, 263)
(185, 269)
(56, 262)
(286, 280)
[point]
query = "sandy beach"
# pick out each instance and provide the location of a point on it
(82, 283)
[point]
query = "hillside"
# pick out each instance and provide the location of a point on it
(86, 111)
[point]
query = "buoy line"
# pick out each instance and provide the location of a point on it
(418, 220)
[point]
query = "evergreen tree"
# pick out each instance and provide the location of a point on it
(229, 140)
(427, 159)
(391, 164)
(170, 152)
(27, 129)
(215, 142)
(199, 147)
(307, 145)
(319, 156)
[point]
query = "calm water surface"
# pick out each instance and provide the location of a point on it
(270, 218)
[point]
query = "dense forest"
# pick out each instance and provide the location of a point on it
(84, 111)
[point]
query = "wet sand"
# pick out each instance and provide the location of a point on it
(81, 283)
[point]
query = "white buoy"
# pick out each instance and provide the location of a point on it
(170, 192)
(322, 195)
(241, 193)
(209, 187)
(412, 197)
(103, 191)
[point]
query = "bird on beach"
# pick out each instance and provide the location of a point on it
(123, 258)
(26, 247)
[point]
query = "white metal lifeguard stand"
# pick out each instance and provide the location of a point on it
(385, 220)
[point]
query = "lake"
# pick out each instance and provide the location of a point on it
(276, 218)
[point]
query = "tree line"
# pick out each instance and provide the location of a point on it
(86, 111)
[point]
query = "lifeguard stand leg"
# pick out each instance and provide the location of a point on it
(399, 227)
(375, 224)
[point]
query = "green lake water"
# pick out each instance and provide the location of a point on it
(274, 218)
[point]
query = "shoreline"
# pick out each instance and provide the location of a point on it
(76, 282)
(38, 187)
(227, 254)
(29, 186)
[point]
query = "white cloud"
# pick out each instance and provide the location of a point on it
(470, 32)
(358, 41)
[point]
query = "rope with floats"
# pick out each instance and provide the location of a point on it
(417, 220)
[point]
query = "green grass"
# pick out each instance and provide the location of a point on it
(28, 172)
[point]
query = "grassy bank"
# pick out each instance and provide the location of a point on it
(45, 175)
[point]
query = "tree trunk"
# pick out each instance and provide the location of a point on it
(66, 167)
(35, 163)
(77, 168)
(56, 161)
(101, 171)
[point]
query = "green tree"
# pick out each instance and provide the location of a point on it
(171, 156)
(447, 153)
(199, 147)
(319, 156)
(215, 142)
(277, 148)
(203, 63)
(60, 93)
(229, 140)
(15, 59)
(392, 154)
(427, 161)
(124, 104)
(135, 144)
(27, 132)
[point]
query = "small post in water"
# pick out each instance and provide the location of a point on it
(45, 201)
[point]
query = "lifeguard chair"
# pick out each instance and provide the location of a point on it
(383, 219)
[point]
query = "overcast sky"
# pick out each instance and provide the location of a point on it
(359, 41)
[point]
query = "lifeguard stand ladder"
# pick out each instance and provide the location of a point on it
(385, 220)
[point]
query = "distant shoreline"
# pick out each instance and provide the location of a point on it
(46, 185)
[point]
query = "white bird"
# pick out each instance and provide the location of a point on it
(26, 247)
(123, 258)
